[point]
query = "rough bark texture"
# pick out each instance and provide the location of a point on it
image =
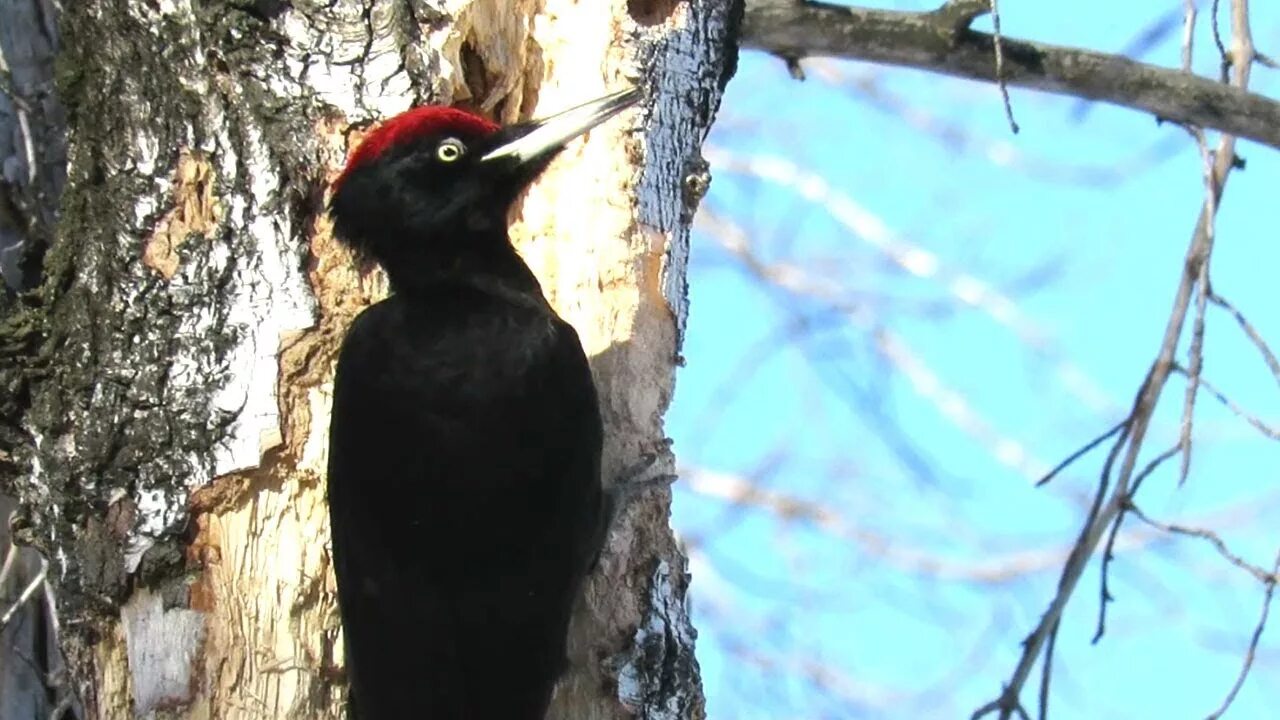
(175, 364)
(32, 172)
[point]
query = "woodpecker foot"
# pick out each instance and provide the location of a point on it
(639, 478)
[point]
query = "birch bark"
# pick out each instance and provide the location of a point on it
(170, 377)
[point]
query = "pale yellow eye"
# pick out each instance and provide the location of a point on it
(450, 150)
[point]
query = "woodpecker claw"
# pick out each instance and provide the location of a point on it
(632, 482)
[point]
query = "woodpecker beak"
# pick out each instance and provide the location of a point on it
(551, 134)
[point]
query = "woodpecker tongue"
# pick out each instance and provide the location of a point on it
(552, 133)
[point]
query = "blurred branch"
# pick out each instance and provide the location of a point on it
(868, 228)
(954, 406)
(995, 569)
(942, 41)
(853, 695)
(867, 85)
(926, 383)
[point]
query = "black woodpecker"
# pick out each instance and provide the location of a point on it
(464, 453)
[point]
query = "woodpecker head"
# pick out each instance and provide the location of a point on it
(432, 180)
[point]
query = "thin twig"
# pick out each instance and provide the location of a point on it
(1151, 467)
(10, 89)
(1255, 421)
(1080, 453)
(1217, 40)
(64, 705)
(1252, 651)
(925, 382)
(1188, 33)
(1273, 363)
(1046, 669)
(865, 82)
(918, 261)
(1195, 353)
(995, 569)
(1003, 706)
(1109, 550)
(1260, 574)
(23, 107)
(998, 41)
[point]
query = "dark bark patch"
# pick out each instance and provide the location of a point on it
(651, 12)
(658, 676)
(264, 10)
(476, 75)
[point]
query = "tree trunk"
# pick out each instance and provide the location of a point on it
(170, 378)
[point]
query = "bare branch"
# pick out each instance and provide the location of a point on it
(998, 38)
(1004, 705)
(1128, 446)
(1217, 41)
(1254, 420)
(995, 569)
(960, 14)
(954, 406)
(918, 261)
(926, 41)
(1109, 553)
(1188, 34)
(868, 85)
(1080, 453)
(1253, 645)
(926, 383)
(1273, 363)
(1259, 574)
(1195, 362)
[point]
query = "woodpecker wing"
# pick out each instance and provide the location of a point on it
(465, 502)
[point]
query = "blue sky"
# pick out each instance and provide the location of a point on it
(1082, 220)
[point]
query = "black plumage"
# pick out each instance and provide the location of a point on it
(464, 470)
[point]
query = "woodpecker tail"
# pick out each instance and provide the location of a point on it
(492, 654)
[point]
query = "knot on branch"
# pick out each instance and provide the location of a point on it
(957, 15)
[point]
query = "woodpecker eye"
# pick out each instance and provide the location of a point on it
(450, 150)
